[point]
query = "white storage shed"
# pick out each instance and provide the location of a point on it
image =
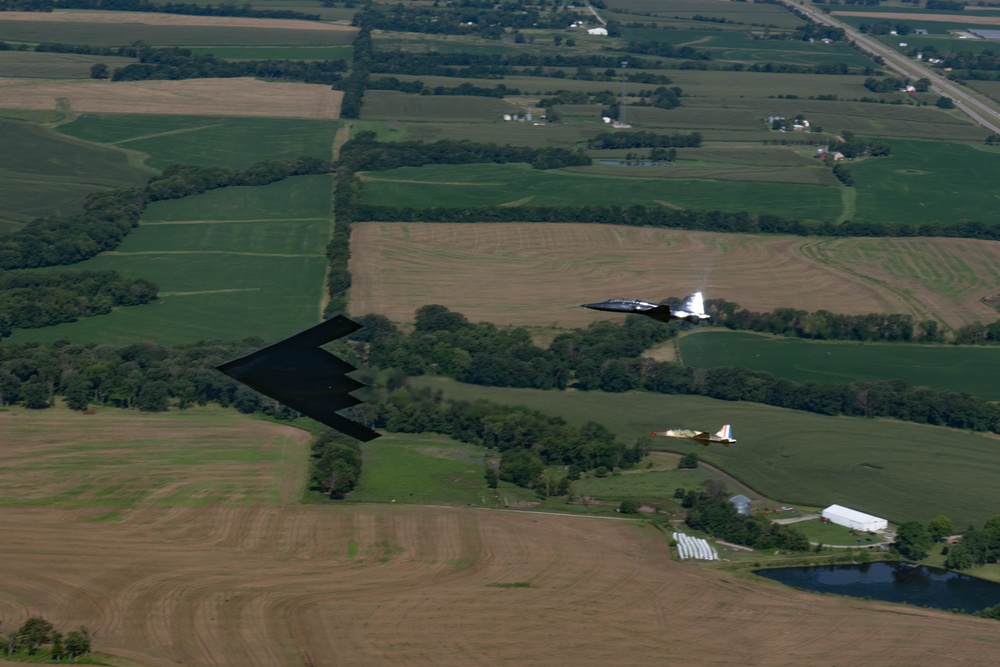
(845, 516)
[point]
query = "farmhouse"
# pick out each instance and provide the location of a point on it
(844, 516)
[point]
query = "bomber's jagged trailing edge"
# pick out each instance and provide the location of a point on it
(691, 309)
(724, 436)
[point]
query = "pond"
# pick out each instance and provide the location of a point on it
(893, 581)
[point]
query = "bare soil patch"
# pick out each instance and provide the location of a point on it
(982, 20)
(539, 274)
(210, 97)
(148, 18)
(270, 583)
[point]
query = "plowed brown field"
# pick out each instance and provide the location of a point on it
(237, 579)
(214, 97)
(538, 274)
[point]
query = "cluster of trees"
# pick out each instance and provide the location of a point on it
(32, 299)
(27, 640)
(223, 9)
(978, 547)
(983, 66)
(884, 28)
(815, 31)
(664, 50)
(640, 139)
(361, 66)
(851, 146)
(177, 63)
(364, 153)
(946, 5)
(607, 357)
(978, 333)
(109, 216)
(420, 88)
(824, 325)
(886, 84)
(843, 174)
(578, 97)
(335, 464)
(527, 440)
(487, 22)
(710, 510)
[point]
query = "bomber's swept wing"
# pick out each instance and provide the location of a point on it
(691, 309)
(299, 373)
(724, 436)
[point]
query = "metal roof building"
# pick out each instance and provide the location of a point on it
(845, 516)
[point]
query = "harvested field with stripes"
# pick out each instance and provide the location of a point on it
(538, 274)
(262, 580)
(194, 97)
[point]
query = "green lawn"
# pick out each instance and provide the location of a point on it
(897, 470)
(946, 368)
(488, 184)
(230, 142)
(832, 534)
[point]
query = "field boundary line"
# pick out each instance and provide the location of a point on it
(209, 252)
(183, 130)
(225, 222)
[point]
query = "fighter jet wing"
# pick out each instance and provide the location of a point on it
(305, 377)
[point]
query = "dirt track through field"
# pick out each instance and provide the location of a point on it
(149, 18)
(256, 582)
(212, 97)
(538, 274)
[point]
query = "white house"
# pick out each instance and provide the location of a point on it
(844, 516)
(597, 31)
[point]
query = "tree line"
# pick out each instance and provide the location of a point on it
(486, 22)
(109, 216)
(420, 88)
(32, 299)
(608, 357)
(223, 9)
(640, 139)
(27, 641)
(361, 66)
(708, 509)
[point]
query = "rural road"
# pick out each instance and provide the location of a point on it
(986, 114)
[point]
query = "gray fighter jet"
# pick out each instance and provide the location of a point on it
(692, 309)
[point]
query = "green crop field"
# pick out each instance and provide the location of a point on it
(119, 34)
(946, 368)
(44, 173)
(893, 469)
(932, 27)
(472, 185)
(277, 52)
(391, 105)
(252, 264)
(643, 485)
(988, 88)
(230, 142)
(53, 65)
(926, 181)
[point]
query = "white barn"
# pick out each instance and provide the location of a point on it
(845, 516)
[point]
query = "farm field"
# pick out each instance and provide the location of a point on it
(392, 105)
(925, 181)
(207, 140)
(250, 264)
(897, 470)
(44, 173)
(972, 370)
(30, 64)
(216, 97)
(492, 272)
(256, 579)
(494, 185)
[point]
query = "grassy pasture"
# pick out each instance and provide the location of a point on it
(515, 134)
(224, 141)
(44, 173)
(277, 52)
(391, 105)
(962, 369)
(923, 181)
(54, 65)
(120, 34)
(228, 273)
(773, 15)
(988, 88)
(808, 174)
(893, 469)
(471, 185)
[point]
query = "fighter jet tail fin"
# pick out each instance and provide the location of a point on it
(694, 304)
(725, 434)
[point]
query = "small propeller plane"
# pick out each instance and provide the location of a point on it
(724, 436)
(692, 309)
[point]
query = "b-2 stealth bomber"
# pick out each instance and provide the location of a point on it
(692, 309)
